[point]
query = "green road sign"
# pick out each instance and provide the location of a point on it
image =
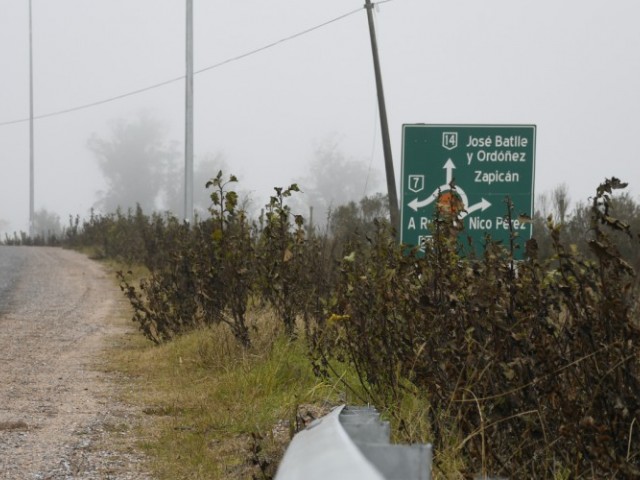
(467, 171)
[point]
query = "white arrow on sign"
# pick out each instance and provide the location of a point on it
(449, 166)
(415, 204)
(481, 205)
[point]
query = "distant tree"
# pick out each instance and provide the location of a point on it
(540, 230)
(577, 231)
(576, 224)
(543, 207)
(333, 181)
(374, 206)
(135, 161)
(553, 205)
(46, 225)
(356, 220)
(344, 221)
(560, 202)
(623, 207)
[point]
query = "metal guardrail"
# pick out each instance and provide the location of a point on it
(353, 443)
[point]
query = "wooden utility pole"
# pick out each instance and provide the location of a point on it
(188, 130)
(384, 125)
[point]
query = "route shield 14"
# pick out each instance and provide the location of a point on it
(467, 172)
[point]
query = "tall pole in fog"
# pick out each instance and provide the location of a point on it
(384, 125)
(188, 142)
(31, 155)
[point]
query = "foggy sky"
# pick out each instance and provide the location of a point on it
(572, 68)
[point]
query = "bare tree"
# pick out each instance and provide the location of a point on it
(560, 202)
(543, 209)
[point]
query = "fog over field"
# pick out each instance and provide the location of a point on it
(308, 102)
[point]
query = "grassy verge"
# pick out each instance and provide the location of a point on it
(216, 410)
(213, 410)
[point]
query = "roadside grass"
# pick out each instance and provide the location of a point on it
(215, 409)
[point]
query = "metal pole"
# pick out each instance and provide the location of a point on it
(31, 153)
(384, 126)
(188, 144)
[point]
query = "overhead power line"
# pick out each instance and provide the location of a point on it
(94, 104)
(177, 79)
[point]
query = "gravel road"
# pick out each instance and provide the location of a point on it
(58, 415)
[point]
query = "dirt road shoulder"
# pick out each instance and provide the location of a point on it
(59, 413)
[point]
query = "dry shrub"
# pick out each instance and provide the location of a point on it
(533, 367)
